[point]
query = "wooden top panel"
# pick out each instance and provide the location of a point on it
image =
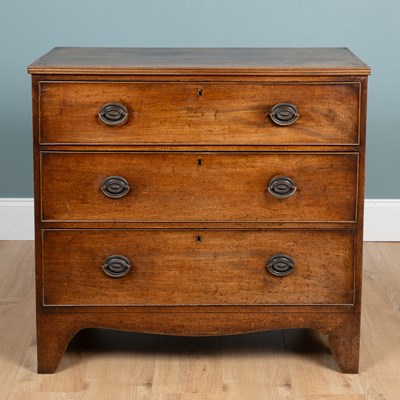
(199, 61)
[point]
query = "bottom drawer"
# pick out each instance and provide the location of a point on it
(207, 267)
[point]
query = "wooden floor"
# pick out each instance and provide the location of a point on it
(294, 364)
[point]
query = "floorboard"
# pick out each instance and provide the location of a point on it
(292, 364)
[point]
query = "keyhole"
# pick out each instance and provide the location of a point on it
(200, 92)
(198, 238)
(200, 162)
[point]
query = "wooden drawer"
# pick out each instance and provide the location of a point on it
(175, 113)
(184, 267)
(188, 187)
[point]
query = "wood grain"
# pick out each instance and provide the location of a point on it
(174, 113)
(174, 268)
(17, 314)
(172, 187)
(14, 255)
(187, 61)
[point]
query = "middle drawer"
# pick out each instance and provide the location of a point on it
(190, 187)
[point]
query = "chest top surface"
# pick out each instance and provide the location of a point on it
(207, 61)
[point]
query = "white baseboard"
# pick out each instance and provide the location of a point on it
(381, 221)
(16, 219)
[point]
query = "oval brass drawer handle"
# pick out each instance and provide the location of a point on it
(282, 187)
(284, 114)
(113, 114)
(280, 265)
(116, 266)
(115, 187)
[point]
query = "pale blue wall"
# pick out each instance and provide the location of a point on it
(370, 28)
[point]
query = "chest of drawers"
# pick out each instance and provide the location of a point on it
(198, 192)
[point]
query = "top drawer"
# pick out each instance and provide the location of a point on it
(199, 113)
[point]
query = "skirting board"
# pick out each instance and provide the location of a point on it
(381, 222)
(16, 219)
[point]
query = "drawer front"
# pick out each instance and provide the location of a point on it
(178, 267)
(198, 113)
(189, 187)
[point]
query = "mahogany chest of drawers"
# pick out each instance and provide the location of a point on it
(198, 192)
